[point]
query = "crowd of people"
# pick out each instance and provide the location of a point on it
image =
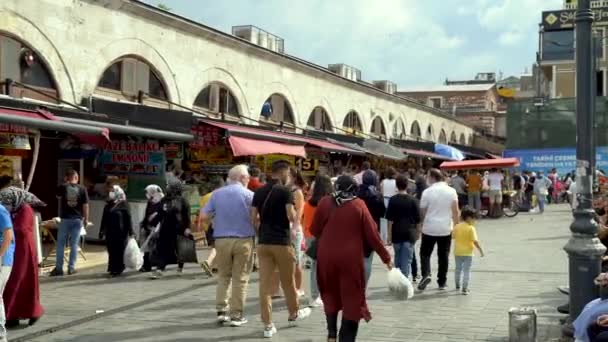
(275, 223)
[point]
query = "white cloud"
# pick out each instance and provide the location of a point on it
(511, 38)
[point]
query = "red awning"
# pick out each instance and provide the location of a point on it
(41, 119)
(424, 154)
(253, 147)
(283, 137)
(481, 164)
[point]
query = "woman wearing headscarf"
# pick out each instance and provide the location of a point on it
(344, 225)
(374, 201)
(22, 293)
(151, 221)
(116, 227)
(175, 221)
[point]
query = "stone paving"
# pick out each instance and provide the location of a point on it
(524, 264)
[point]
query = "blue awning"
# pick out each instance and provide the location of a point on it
(449, 152)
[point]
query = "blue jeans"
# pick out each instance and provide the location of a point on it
(404, 254)
(463, 271)
(475, 200)
(71, 228)
(367, 266)
(541, 202)
(314, 287)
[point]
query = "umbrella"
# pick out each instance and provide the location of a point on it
(449, 151)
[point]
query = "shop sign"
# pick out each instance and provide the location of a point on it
(206, 136)
(14, 137)
(265, 162)
(564, 19)
(174, 151)
(562, 159)
(126, 157)
(308, 167)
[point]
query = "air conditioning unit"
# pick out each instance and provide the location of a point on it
(386, 86)
(345, 71)
(259, 37)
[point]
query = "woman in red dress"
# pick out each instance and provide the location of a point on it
(345, 228)
(22, 295)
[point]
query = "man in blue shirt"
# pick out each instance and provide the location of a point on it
(234, 235)
(7, 252)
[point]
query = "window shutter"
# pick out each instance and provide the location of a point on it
(9, 59)
(128, 78)
(142, 77)
(214, 100)
(319, 118)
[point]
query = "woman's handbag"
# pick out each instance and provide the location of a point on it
(186, 249)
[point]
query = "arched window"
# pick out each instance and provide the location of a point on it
(319, 119)
(453, 139)
(352, 122)
(442, 137)
(471, 140)
(22, 64)
(378, 128)
(277, 109)
(127, 76)
(399, 129)
(463, 139)
(415, 131)
(217, 98)
(430, 133)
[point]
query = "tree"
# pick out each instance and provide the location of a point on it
(164, 7)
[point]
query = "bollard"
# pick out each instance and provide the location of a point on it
(522, 324)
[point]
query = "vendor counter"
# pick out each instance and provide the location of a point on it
(137, 209)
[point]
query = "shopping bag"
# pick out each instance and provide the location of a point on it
(399, 285)
(149, 243)
(186, 249)
(133, 258)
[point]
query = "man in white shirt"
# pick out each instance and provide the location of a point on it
(439, 210)
(359, 176)
(495, 182)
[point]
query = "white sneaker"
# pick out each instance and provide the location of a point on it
(301, 293)
(156, 274)
(269, 331)
(317, 303)
(222, 318)
(302, 314)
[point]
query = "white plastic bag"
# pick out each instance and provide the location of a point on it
(133, 257)
(400, 285)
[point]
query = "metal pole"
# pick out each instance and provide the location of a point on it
(584, 248)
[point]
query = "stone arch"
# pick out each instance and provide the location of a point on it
(140, 49)
(319, 119)
(219, 99)
(471, 139)
(453, 139)
(281, 89)
(26, 31)
(398, 131)
(378, 127)
(352, 121)
(415, 130)
(221, 76)
(429, 134)
(277, 108)
(443, 139)
(463, 139)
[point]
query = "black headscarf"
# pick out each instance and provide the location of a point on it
(346, 188)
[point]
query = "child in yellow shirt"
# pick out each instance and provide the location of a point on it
(465, 238)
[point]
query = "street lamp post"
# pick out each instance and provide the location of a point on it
(584, 248)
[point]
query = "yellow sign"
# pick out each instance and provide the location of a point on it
(506, 92)
(308, 167)
(264, 162)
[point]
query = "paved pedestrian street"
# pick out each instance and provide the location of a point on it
(523, 266)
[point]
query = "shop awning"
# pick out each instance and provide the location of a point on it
(383, 149)
(253, 147)
(481, 164)
(424, 154)
(449, 152)
(135, 130)
(378, 151)
(262, 134)
(41, 119)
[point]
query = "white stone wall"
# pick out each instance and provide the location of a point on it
(79, 39)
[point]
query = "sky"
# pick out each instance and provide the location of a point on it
(412, 43)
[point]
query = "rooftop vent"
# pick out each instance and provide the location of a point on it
(386, 86)
(259, 37)
(346, 71)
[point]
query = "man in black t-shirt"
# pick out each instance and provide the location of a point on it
(272, 213)
(74, 214)
(403, 215)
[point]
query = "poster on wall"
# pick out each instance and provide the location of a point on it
(174, 151)
(562, 159)
(135, 158)
(10, 166)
